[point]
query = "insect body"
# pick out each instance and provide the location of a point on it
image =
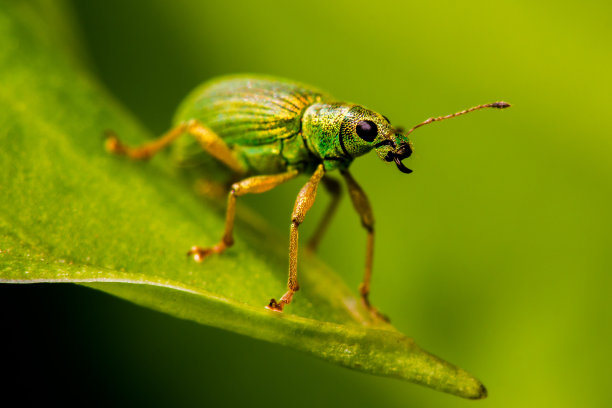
(268, 131)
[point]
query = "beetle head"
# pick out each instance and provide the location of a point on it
(363, 130)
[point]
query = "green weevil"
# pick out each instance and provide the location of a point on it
(267, 131)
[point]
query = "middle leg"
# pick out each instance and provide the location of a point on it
(251, 185)
(333, 188)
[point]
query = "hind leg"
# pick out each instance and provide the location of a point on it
(208, 139)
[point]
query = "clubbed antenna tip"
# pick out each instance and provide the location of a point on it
(500, 105)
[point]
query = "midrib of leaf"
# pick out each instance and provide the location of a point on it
(72, 214)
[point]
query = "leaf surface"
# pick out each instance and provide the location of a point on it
(69, 212)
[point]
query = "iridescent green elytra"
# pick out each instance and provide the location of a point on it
(267, 131)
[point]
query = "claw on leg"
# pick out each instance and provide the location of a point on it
(285, 300)
(275, 306)
(199, 253)
(113, 144)
(365, 300)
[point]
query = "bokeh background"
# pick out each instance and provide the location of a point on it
(494, 254)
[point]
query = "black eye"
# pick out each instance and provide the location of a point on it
(367, 130)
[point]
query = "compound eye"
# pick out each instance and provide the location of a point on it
(367, 130)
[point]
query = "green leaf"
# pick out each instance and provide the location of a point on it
(72, 213)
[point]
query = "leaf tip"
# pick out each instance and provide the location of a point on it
(481, 393)
(469, 387)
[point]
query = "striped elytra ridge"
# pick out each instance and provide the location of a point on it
(258, 117)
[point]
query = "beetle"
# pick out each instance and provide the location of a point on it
(267, 131)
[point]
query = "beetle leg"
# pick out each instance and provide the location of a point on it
(251, 185)
(334, 188)
(363, 208)
(304, 201)
(214, 145)
(208, 139)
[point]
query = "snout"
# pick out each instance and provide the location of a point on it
(403, 151)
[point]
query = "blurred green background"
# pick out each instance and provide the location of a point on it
(494, 254)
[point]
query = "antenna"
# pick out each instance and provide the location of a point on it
(497, 105)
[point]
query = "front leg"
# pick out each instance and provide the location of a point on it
(304, 201)
(362, 205)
